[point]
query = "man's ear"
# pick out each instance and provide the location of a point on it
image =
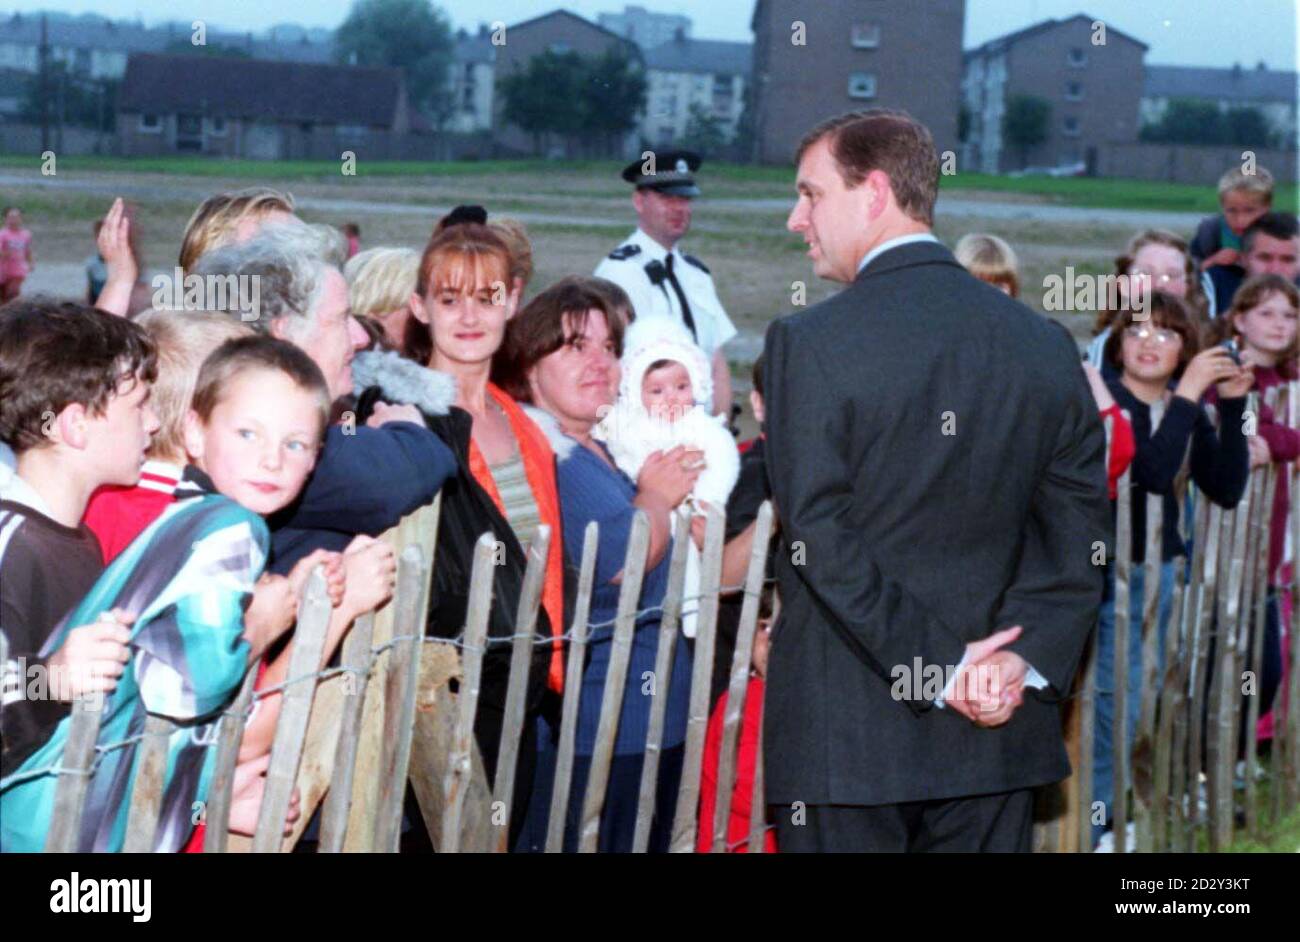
(638, 200)
(69, 427)
(193, 433)
(879, 193)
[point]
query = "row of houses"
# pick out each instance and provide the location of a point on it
(806, 61)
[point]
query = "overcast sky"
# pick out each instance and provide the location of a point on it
(1182, 32)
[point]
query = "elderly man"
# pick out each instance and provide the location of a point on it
(659, 278)
(937, 463)
(367, 478)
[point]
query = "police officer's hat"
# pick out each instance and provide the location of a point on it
(668, 171)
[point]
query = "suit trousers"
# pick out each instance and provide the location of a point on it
(999, 823)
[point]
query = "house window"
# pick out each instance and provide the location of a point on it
(189, 125)
(560, 48)
(721, 84)
(862, 85)
(1071, 126)
(217, 127)
(866, 35)
(1078, 58)
(1074, 91)
(150, 124)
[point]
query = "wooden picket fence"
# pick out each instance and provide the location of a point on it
(1194, 706)
(349, 738)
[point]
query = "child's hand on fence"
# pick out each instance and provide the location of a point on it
(335, 576)
(92, 657)
(698, 524)
(371, 568)
(246, 797)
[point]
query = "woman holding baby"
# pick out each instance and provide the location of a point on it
(561, 354)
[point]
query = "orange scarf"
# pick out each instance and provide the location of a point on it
(539, 468)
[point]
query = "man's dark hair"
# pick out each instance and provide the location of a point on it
(56, 353)
(756, 375)
(1281, 226)
(890, 141)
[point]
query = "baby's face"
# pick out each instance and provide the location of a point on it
(666, 392)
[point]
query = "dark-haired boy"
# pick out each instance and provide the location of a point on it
(1269, 246)
(74, 407)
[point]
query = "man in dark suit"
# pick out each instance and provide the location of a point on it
(936, 461)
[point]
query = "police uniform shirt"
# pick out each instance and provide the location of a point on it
(626, 267)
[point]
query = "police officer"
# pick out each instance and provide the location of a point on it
(660, 278)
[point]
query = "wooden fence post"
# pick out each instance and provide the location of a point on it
(75, 768)
(521, 657)
(1199, 718)
(706, 626)
(663, 670)
(460, 765)
(411, 604)
(296, 699)
(420, 529)
(611, 705)
(1261, 579)
(356, 659)
(217, 810)
(736, 691)
(1142, 754)
(147, 788)
(555, 823)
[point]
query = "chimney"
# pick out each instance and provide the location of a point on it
(679, 34)
(1236, 70)
(1263, 66)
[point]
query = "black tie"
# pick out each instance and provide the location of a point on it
(681, 297)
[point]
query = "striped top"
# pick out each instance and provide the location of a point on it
(517, 497)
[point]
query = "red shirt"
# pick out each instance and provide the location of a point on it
(1122, 448)
(117, 515)
(746, 761)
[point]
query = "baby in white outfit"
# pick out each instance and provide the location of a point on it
(663, 402)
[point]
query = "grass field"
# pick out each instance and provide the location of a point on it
(768, 181)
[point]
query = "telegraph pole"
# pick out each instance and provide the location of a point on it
(43, 82)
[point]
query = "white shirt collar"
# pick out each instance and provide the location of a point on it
(893, 244)
(14, 488)
(650, 247)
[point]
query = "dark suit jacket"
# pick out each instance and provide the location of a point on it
(902, 542)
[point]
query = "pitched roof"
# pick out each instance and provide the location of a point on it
(700, 55)
(257, 88)
(1000, 43)
(1236, 84)
(633, 49)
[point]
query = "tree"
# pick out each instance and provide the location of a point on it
(412, 35)
(1025, 123)
(1194, 121)
(72, 99)
(705, 132)
(543, 97)
(612, 96)
(574, 98)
